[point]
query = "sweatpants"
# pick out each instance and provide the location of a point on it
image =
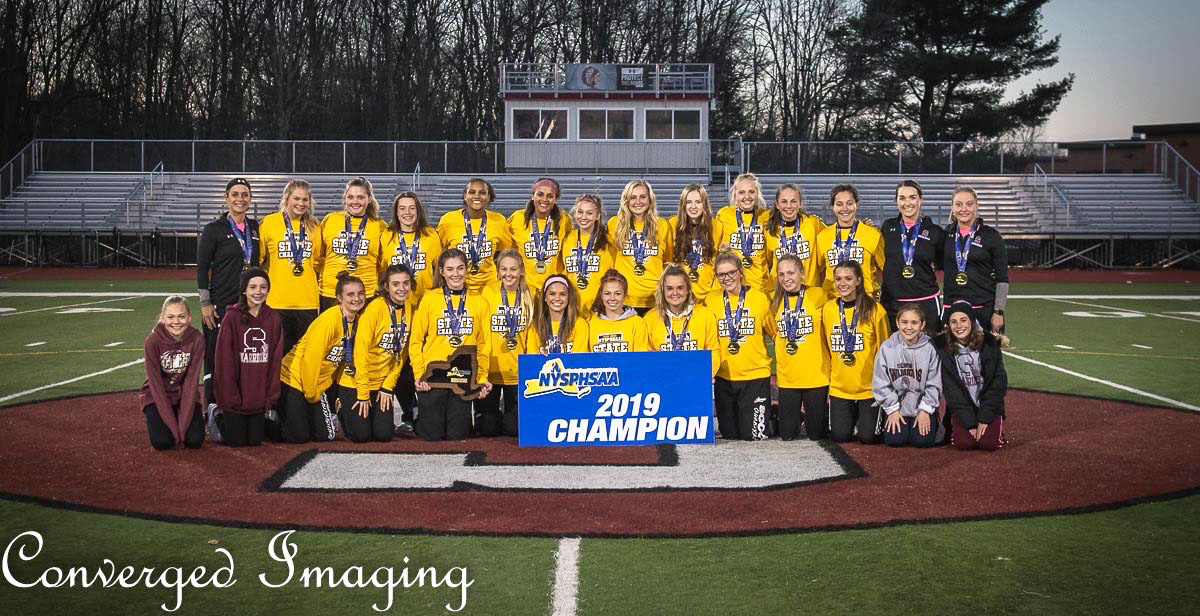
(931, 308)
(442, 416)
(378, 425)
(241, 430)
(210, 352)
(495, 418)
(909, 434)
(300, 420)
(993, 437)
(814, 416)
(846, 415)
(160, 435)
(295, 323)
(742, 408)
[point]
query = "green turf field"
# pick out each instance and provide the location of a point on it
(1138, 559)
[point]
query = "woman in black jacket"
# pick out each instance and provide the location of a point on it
(973, 381)
(975, 260)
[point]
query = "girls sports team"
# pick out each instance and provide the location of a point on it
(311, 328)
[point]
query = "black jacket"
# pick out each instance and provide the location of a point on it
(219, 259)
(991, 392)
(987, 264)
(926, 259)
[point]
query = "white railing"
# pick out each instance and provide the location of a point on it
(1051, 199)
(1173, 165)
(18, 169)
(669, 78)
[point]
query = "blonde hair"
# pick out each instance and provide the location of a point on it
(170, 301)
(660, 299)
(748, 177)
(599, 229)
(779, 291)
(625, 217)
(522, 285)
(308, 220)
(372, 203)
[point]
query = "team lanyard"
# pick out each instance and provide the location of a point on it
(746, 238)
(555, 343)
(842, 249)
(637, 240)
(790, 244)
(541, 239)
(246, 245)
(848, 332)
(474, 244)
(512, 315)
(677, 341)
(409, 256)
(791, 319)
(398, 328)
(961, 251)
(352, 239)
(734, 319)
(908, 242)
(296, 246)
(695, 254)
(455, 316)
(348, 334)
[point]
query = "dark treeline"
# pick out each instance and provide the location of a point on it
(429, 69)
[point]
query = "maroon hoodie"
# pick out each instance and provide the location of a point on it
(173, 369)
(247, 360)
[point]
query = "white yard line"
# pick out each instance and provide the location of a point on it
(1190, 298)
(113, 344)
(1151, 314)
(1141, 346)
(33, 344)
(69, 381)
(1063, 346)
(1093, 379)
(125, 296)
(566, 577)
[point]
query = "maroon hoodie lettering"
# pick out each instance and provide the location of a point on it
(247, 360)
(173, 370)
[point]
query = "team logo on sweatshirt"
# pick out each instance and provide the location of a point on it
(552, 246)
(387, 342)
(572, 262)
(803, 250)
(335, 354)
(466, 325)
(500, 326)
(484, 249)
(610, 343)
(688, 343)
(835, 341)
(856, 255)
(905, 371)
(745, 327)
(175, 362)
(804, 328)
(651, 251)
(254, 347)
(339, 245)
(757, 241)
(283, 250)
(416, 265)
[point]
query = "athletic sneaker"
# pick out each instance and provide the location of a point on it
(214, 423)
(404, 426)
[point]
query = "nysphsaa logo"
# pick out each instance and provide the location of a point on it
(555, 377)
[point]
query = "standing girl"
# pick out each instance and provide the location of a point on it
(538, 232)
(510, 310)
(741, 226)
(855, 326)
(615, 327)
(287, 241)
(170, 396)
(801, 353)
(477, 232)
(310, 368)
(743, 384)
(679, 322)
(976, 261)
(791, 230)
(351, 241)
(973, 380)
(249, 356)
(849, 240)
(380, 347)
(641, 241)
(557, 325)
(695, 239)
(448, 318)
(908, 382)
(912, 250)
(587, 251)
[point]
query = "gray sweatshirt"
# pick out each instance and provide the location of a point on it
(907, 378)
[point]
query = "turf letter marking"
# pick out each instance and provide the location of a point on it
(1182, 405)
(566, 577)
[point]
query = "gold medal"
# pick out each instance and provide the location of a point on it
(455, 341)
(792, 347)
(581, 282)
(848, 359)
(540, 266)
(351, 265)
(511, 344)
(693, 275)
(747, 262)
(734, 347)
(639, 269)
(298, 270)
(349, 371)
(961, 279)
(908, 271)
(474, 268)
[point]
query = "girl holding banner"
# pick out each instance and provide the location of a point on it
(288, 239)
(587, 252)
(510, 311)
(642, 243)
(679, 322)
(696, 240)
(849, 239)
(791, 230)
(741, 225)
(801, 353)
(557, 325)
(743, 384)
(855, 326)
(538, 232)
(477, 232)
(615, 327)
(351, 241)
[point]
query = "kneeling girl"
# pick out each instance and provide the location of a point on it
(170, 397)
(908, 381)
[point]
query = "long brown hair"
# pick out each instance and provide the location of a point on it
(541, 313)
(775, 221)
(242, 303)
(555, 212)
(779, 291)
(864, 304)
(447, 254)
(685, 231)
(422, 227)
(611, 275)
(599, 228)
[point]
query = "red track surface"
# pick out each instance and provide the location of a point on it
(1068, 453)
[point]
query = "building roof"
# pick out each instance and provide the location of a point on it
(1098, 144)
(1181, 127)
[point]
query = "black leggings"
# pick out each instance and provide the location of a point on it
(742, 408)
(301, 421)
(494, 419)
(242, 430)
(442, 416)
(846, 415)
(378, 425)
(210, 352)
(160, 435)
(406, 392)
(815, 414)
(295, 323)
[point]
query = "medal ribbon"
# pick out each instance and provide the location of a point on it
(541, 240)
(791, 320)
(398, 328)
(555, 344)
(677, 341)
(247, 246)
(961, 251)
(735, 319)
(582, 254)
(297, 250)
(789, 244)
(475, 243)
(848, 336)
(455, 315)
(352, 240)
(638, 241)
(843, 248)
(695, 254)
(512, 315)
(409, 256)
(908, 246)
(746, 238)
(348, 334)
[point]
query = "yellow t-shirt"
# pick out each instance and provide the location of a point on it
(577, 344)
(503, 369)
(288, 291)
(801, 242)
(641, 288)
(432, 328)
(726, 226)
(809, 365)
(377, 363)
(853, 382)
(522, 237)
(867, 249)
(706, 281)
(422, 263)
(309, 367)
(597, 262)
(497, 237)
(334, 240)
(698, 327)
(751, 361)
(617, 336)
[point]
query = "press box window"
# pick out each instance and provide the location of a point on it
(673, 124)
(539, 123)
(605, 124)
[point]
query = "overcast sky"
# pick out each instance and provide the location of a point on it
(1135, 62)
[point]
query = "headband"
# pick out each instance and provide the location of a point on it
(546, 184)
(235, 182)
(555, 278)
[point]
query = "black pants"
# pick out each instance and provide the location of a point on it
(210, 352)
(300, 420)
(495, 418)
(845, 415)
(160, 435)
(242, 430)
(327, 302)
(295, 323)
(815, 416)
(406, 392)
(909, 434)
(442, 416)
(931, 308)
(378, 425)
(742, 408)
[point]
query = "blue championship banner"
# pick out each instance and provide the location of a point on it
(642, 398)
